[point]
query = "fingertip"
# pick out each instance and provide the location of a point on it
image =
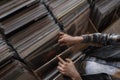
(60, 40)
(57, 67)
(61, 33)
(57, 56)
(68, 60)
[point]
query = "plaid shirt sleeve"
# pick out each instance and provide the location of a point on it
(104, 39)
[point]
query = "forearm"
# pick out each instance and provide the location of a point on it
(104, 39)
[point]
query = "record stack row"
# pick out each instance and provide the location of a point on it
(5, 52)
(31, 28)
(118, 12)
(103, 12)
(72, 14)
(11, 69)
(15, 70)
(113, 28)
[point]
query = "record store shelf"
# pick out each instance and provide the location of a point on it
(118, 12)
(15, 70)
(6, 52)
(23, 17)
(29, 31)
(8, 7)
(103, 12)
(113, 28)
(66, 11)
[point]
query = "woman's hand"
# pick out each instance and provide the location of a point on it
(67, 68)
(65, 39)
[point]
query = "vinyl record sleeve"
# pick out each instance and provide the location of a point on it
(23, 17)
(8, 7)
(79, 25)
(16, 71)
(113, 28)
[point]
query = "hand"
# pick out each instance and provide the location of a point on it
(65, 39)
(67, 68)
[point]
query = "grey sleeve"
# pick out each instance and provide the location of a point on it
(104, 39)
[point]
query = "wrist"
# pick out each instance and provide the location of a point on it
(77, 78)
(78, 39)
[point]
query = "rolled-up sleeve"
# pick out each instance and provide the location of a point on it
(104, 39)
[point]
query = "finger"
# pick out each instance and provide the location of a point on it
(68, 60)
(61, 65)
(62, 72)
(60, 68)
(63, 44)
(60, 37)
(61, 40)
(61, 60)
(61, 33)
